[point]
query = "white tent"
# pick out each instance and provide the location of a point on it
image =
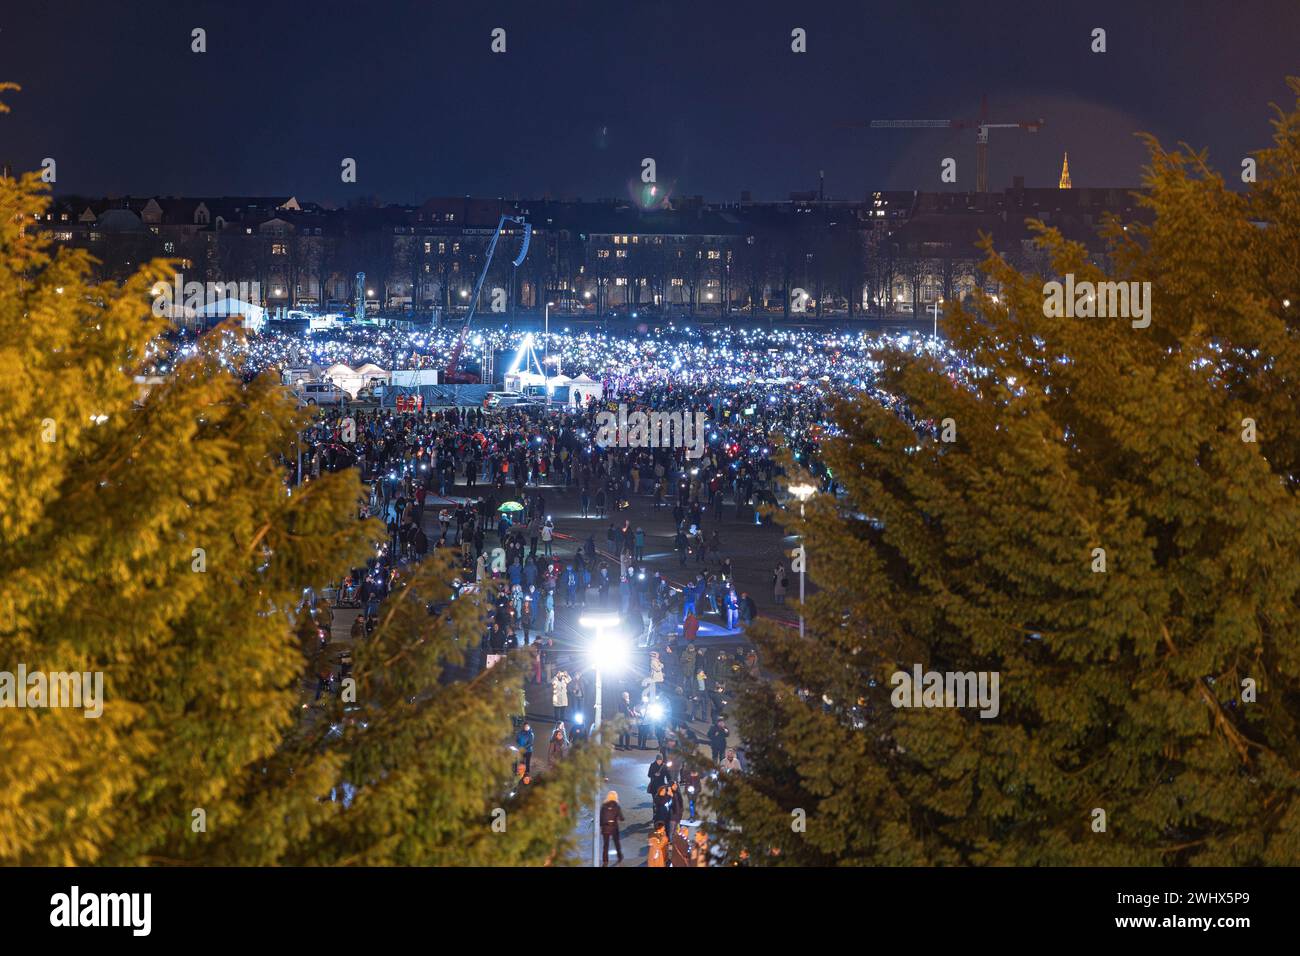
(518, 381)
(353, 380)
(254, 315)
(584, 389)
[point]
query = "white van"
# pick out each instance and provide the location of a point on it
(502, 399)
(320, 393)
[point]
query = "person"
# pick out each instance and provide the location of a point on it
(779, 584)
(639, 552)
(611, 815)
(718, 739)
(658, 852)
(525, 740)
(716, 701)
(536, 662)
(676, 806)
(700, 849)
(629, 714)
(687, 659)
(659, 773)
(570, 585)
(732, 605)
(642, 722)
(663, 808)
(691, 628)
(560, 694)
(730, 762)
(748, 609)
(656, 673)
(559, 743)
(548, 532)
(692, 781)
(699, 696)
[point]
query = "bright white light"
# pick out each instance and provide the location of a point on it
(655, 711)
(802, 492)
(608, 651)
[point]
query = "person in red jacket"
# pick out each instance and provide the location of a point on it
(691, 627)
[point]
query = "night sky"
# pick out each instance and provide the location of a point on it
(709, 88)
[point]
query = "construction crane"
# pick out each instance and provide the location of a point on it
(452, 375)
(981, 127)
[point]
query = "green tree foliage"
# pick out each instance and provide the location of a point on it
(1120, 691)
(158, 542)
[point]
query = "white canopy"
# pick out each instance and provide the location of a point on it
(254, 315)
(584, 389)
(353, 380)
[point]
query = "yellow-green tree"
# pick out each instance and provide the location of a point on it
(157, 542)
(1105, 516)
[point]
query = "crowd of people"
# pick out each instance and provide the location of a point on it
(486, 476)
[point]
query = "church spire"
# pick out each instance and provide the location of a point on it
(1065, 173)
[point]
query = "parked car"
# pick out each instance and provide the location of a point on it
(320, 393)
(502, 399)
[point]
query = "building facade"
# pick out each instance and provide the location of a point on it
(889, 253)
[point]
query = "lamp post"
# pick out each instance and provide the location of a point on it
(935, 309)
(607, 651)
(546, 351)
(803, 492)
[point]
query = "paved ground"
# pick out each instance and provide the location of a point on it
(755, 550)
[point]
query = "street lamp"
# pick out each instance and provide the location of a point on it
(935, 308)
(803, 492)
(546, 350)
(607, 652)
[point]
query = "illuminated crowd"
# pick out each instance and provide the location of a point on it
(482, 483)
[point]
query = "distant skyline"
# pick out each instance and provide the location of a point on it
(586, 90)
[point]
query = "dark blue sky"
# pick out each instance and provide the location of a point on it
(709, 88)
